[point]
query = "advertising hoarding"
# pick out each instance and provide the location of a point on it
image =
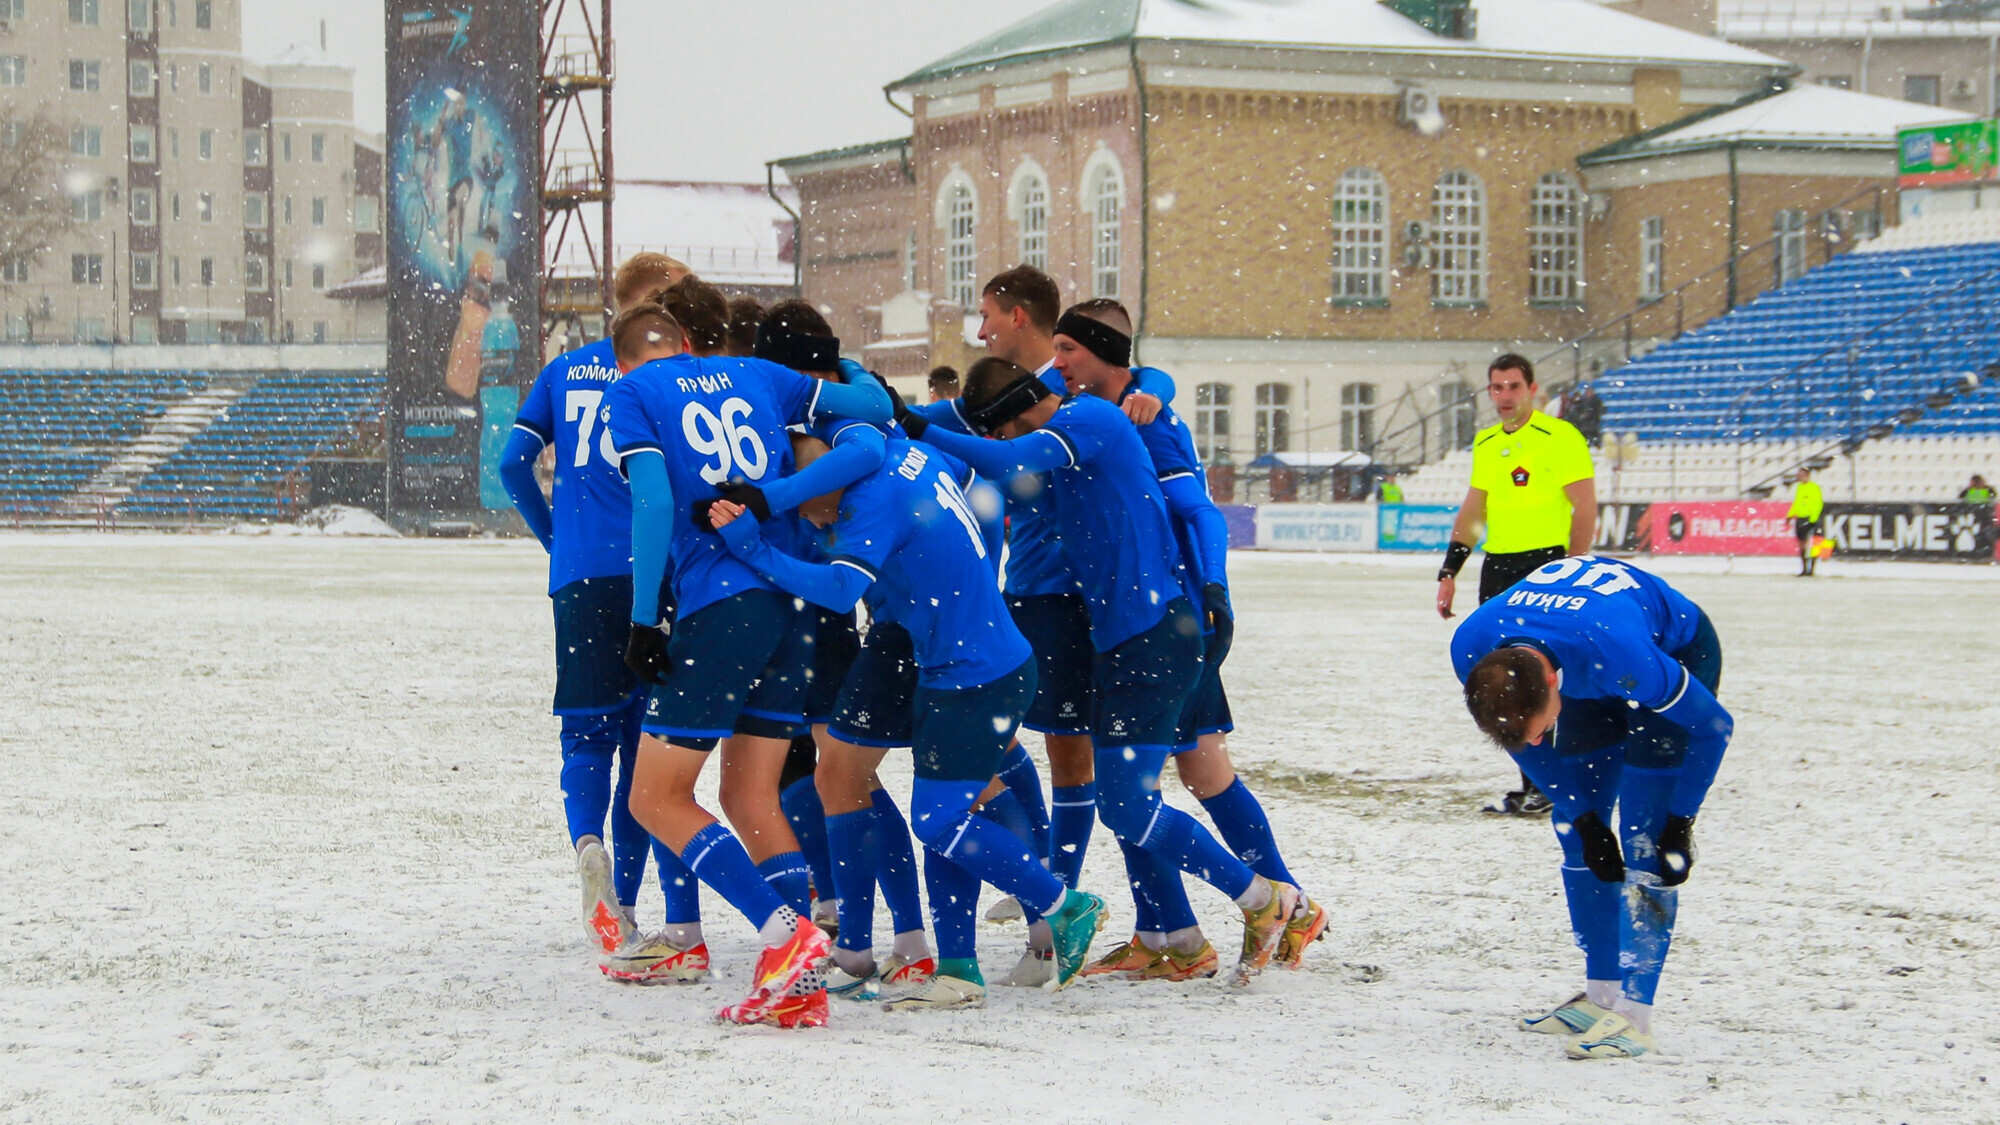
(1721, 528)
(1316, 527)
(1938, 155)
(464, 245)
(1954, 532)
(1415, 527)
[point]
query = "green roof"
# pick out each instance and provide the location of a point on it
(1069, 26)
(830, 154)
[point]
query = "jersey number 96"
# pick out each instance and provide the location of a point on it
(736, 447)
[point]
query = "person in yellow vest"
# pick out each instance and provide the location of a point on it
(1535, 491)
(1391, 492)
(1807, 506)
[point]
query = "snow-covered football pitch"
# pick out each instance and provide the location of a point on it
(280, 839)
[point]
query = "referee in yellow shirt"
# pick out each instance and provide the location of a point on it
(1535, 491)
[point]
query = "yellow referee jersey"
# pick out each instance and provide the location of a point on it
(1523, 474)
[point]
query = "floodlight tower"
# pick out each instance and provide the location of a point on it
(576, 167)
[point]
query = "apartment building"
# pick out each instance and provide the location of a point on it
(214, 199)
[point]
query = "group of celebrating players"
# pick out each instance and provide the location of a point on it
(728, 489)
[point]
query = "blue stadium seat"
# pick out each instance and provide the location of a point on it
(1845, 346)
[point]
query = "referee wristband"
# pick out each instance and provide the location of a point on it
(1454, 560)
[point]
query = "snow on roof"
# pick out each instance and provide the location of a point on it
(727, 233)
(1814, 116)
(1845, 19)
(1576, 29)
(305, 54)
(369, 284)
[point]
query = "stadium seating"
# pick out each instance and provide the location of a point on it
(1907, 469)
(58, 428)
(1857, 343)
(238, 468)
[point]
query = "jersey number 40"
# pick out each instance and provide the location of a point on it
(1603, 577)
(736, 447)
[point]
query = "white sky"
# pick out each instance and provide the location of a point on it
(743, 82)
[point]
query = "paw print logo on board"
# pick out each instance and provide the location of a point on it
(1964, 532)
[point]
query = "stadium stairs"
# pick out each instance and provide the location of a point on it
(93, 448)
(59, 429)
(249, 463)
(162, 438)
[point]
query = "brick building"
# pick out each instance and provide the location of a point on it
(1326, 218)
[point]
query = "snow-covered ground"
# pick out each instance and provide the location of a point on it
(280, 839)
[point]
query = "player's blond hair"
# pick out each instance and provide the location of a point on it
(643, 273)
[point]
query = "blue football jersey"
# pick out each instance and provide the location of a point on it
(712, 419)
(909, 527)
(1608, 626)
(1035, 562)
(1171, 444)
(590, 506)
(1112, 521)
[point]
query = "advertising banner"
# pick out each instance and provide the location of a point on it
(1721, 528)
(1957, 153)
(464, 244)
(1316, 527)
(1415, 527)
(1956, 532)
(1624, 527)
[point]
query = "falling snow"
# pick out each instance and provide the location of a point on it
(283, 840)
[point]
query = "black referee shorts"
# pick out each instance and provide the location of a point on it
(1499, 572)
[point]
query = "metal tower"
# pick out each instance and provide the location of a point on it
(576, 168)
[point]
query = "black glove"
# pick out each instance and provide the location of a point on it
(1221, 618)
(748, 495)
(646, 653)
(913, 423)
(702, 518)
(1600, 848)
(1676, 845)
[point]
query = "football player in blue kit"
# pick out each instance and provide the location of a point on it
(1093, 351)
(851, 830)
(1018, 311)
(908, 531)
(1600, 679)
(1114, 528)
(586, 527)
(734, 670)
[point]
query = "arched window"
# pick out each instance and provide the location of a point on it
(1360, 237)
(1458, 240)
(1555, 242)
(958, 214)
(1274, 418)
(1104, 195)
(1031, 217)
(1211, 422)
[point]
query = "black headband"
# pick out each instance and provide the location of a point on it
(1008, 405)
(797, 350)
(1103, 341)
